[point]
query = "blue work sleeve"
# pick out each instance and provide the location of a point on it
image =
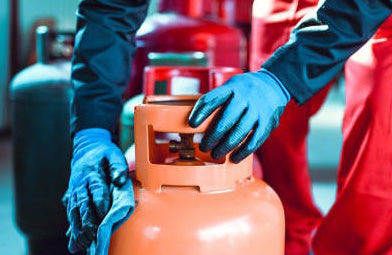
(101, 65)
(322, 42)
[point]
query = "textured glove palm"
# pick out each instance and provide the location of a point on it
(252, 104)
(97, 166)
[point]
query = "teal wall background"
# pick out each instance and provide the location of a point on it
(4, 53)
(62, 11)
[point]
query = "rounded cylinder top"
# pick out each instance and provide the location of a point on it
(169, 29)
(169, 114)
(44, 82)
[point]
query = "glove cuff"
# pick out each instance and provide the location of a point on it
(92, 133)
(285, 92)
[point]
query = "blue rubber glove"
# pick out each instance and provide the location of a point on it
(252, 104)
(97, 168)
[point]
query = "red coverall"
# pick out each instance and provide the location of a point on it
(360, 221)
(283, 156)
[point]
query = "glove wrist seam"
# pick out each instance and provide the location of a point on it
(286, 93)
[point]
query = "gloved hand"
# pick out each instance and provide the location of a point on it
(98, 166)
(252, 103)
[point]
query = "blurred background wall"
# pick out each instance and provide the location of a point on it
(4, 57)
(59, 14)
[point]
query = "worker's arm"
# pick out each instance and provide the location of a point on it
(101, 67)
(322, 42)
(318, 48)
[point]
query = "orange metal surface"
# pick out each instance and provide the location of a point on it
(209, 78)
(215, 208)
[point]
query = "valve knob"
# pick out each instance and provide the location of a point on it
(185, 148)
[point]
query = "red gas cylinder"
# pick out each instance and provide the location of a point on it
(198, 8)
(189, 203)
(234, 12)
(180, 80)
(170, 32)
(237, 13)
(185, 80)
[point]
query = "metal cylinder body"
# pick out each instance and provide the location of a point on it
(40, 102)
(169, 32)
(40, 98)
(182, 220)
(236, 13)
(169, 80)
(233, 12)
(194, 206)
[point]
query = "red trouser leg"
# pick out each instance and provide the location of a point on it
(360, 222)
(283, 155)
(284, 160)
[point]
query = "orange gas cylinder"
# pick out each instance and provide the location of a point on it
(189, 203)
(184, 80)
